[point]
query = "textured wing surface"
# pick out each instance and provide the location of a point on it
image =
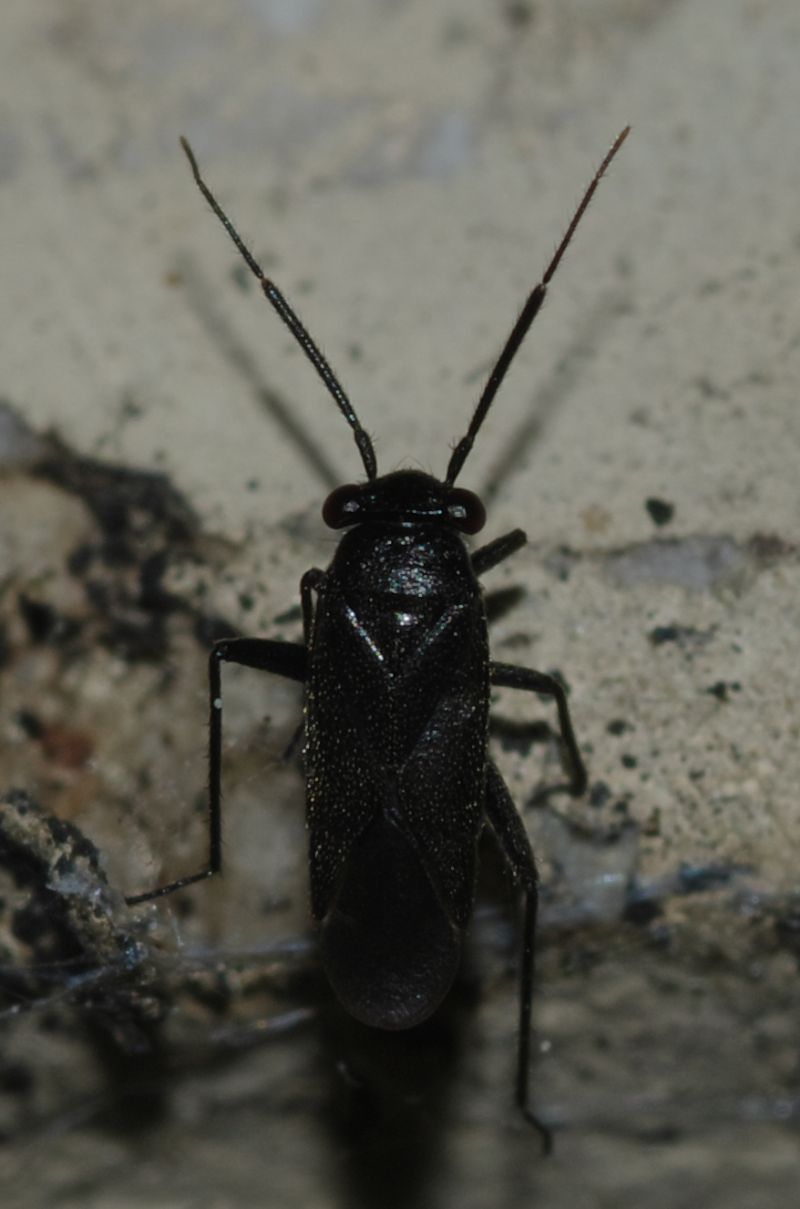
(396, 720)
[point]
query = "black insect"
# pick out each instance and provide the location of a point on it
(397, 674)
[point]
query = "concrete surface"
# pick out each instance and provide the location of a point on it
(404, 169)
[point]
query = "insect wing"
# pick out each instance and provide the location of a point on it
(395, 801)
(396, 723)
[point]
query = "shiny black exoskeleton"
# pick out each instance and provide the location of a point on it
(398, 670)
(397, 674)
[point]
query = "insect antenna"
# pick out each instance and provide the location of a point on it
(526, 318)
(292, 321)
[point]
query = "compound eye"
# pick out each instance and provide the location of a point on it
(342, 506)
(466, 511)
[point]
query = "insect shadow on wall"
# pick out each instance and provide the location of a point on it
(397, 674)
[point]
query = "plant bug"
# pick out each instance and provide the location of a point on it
(397, 675)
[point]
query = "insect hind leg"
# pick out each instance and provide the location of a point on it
(510, 833)
(283, 659)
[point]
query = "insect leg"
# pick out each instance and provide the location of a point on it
(284, 659)
(494, 552)
(508, 675)
(312, 581)
(514, 843)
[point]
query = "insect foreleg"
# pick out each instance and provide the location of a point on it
(494, 552)
(283, 659)
(311, 582)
